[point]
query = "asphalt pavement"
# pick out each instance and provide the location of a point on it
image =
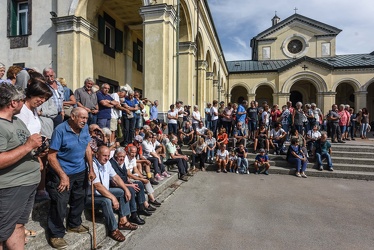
(232, 211)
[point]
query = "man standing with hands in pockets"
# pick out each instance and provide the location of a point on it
(67, 179)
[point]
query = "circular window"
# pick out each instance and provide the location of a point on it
(295, 46)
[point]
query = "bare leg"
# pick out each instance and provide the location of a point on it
(17, 240)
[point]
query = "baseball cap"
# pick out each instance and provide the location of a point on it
(138, 138)
(262, 150)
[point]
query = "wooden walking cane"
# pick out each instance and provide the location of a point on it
(93, 215)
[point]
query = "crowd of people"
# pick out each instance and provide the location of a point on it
(56, 143)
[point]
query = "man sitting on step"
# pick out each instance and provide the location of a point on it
(322, 149)
(110, 198)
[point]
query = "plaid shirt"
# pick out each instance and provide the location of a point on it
(58, 96)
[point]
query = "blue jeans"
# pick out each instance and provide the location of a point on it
(208, 124)
(286, 128)
(252, 127)
(92, 119)
(210, 153)
(106, 206)
(136, 197)
(321, 156)
(299, 163)
(128, 129)
(214, 127)
(299, 128)
(138, 121)
(103, 123)
(173, 128)
(364, 127)
(242, 164)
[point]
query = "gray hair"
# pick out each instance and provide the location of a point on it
(9, 93)
(119, 150)
(130, 92)
(122, 89)
(299, 104)
(89, 79)
(47, 69)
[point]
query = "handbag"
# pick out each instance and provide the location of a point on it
(67, 110)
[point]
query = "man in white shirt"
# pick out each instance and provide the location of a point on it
(180, 109)
(277, 138)
(110, 198)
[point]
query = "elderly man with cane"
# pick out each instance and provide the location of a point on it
(66, 181)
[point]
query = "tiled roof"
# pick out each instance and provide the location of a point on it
(340, 61)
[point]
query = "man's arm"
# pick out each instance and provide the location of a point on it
(55, 165)
(119, 182)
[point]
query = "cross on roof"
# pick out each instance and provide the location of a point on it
(296, 9)
(304, 67)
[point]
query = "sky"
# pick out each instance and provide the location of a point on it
(238, 21)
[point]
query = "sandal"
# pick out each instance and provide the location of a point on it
(117, 235)
(30, 233)
(127, 226)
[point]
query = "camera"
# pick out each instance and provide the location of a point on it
(43, 147)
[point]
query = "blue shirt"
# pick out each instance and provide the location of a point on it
(132, 103)
(154, 113)
(104, 112)
(71, 147)
(240, 118)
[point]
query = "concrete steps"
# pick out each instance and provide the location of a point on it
(38, 222)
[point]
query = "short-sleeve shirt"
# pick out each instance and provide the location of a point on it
(202, 130)
(222, 155)
(31, 119)
(104, 112)
(89, 100)
(241, 117)
(197, 115)
(71, 147)
(239, 153)
(252, 113)
(199, 148)
(132, 102)
(173, 113)
(104, 173)
(274, 133)
(210, 142)
(25, 172)
(130, 164)
(147, 149)
(170, 150)
(262, 158)
(212, 111)
(322, 147)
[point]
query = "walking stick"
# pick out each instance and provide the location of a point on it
(93, 215)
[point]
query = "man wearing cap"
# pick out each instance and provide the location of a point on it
(262, 160)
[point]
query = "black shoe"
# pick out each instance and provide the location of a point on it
(183, 178)
(137, 220)
(153, 181)
(340, 141)
(154, 203)
(144, 212)
(150, 208)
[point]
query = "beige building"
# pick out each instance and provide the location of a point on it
(135, 42)
(295, 59)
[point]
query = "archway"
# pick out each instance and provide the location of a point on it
(370, 101)
(303, 91)
(345, 94)
(238, 94)
(264, 93)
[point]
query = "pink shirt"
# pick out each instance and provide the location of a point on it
(343, 118)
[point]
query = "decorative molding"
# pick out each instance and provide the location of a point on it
(209, 75)
(215, 84)
(74, 24)
(187, 48)
(158, 13)
(202, 64)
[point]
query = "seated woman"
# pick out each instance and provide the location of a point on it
(312, 136)
(261, 138)
(302, 142)
(211, 146)
(297, 157)
(199, 152)
(222, 158)
(222, 138)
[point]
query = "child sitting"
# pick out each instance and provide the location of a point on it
(232, 162)
(262, 160)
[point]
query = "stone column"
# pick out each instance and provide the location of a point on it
(201, 88)
(281, 98)
(215, 90)
(360, 100)
(74, 54)
(328, 101)
(251, 97)
(187, 81)
(128, 56)
(209, 87)
(159, 67)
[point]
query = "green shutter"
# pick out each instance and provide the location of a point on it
(101, 29)
(13, 18)
(119, 41)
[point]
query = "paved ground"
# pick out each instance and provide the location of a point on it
(229, 211)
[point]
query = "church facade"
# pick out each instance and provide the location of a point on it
(295, 59)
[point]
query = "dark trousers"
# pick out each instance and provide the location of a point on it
(75, 197)
(158, 167)
(201, 157)
(136, 197)
(214, 127)
(57, 120)
(128, 129)
(227, 126)
(335, 131)
(181, 163)
(92, 119)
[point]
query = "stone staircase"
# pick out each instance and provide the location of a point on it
(351, 160)
(38, 222)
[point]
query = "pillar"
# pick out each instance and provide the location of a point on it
(201, 88)
(360, 99)
(328, 101)
(215, 89)
(187, 81)
(159, 24)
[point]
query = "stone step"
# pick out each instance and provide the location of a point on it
(337, 154)
(357, 175)
(38, 222)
